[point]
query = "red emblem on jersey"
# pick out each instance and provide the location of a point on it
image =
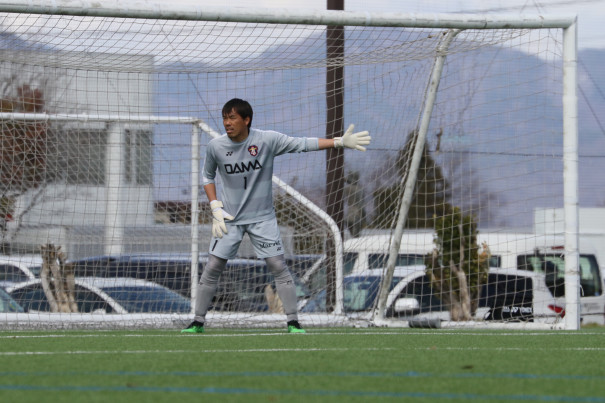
(253, 150)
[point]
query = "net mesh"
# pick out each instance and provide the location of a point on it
(114, 191)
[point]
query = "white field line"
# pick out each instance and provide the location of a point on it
(230, 351)
(274, 350)
(310, 332)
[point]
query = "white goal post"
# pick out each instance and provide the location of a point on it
(107, 109)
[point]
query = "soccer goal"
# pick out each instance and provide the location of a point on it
(107, 110)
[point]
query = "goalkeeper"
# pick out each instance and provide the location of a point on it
(244, 160)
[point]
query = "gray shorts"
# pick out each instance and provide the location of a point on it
(264, 236)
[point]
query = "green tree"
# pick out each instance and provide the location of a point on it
(431, 191)
(457, 268)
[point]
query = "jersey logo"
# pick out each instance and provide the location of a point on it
(253, 150)
(242, 167)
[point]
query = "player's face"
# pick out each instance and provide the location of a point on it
(236, 126)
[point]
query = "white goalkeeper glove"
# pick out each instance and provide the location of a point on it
(218, 219)
(353, 140)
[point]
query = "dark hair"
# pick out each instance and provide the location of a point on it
(241, 107)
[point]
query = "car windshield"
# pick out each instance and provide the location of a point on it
(148, 299)
(7, 304)
(359, 294)
(36, 270)
(299, 264)
(553, 267)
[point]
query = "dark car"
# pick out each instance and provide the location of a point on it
(241, 286)
(299, 264)
(171, 271)
(18, 268)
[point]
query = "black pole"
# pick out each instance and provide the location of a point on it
(334, 128)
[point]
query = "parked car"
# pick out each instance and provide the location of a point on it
(372, 252)
(18, 268)
(542, 258)
(241, 286)
(299, 264)
(412, 297)
(171, 270)
(105, 295)
(515, 254)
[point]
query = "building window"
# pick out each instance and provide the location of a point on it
(77, 156)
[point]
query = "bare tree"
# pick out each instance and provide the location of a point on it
(25, 145)
(58, 280)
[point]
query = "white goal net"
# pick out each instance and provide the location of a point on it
(106, 114)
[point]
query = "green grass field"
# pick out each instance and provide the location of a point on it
(324, 365)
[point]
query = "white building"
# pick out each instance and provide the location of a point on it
(98, 172)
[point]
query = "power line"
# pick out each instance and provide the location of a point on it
(503, 153)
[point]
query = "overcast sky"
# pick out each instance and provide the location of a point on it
(591, 13)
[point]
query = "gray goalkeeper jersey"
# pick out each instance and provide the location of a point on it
(246, 170)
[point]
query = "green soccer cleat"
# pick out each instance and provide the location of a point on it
(294, 327)
(194, 327)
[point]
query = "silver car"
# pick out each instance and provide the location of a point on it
(106, 295)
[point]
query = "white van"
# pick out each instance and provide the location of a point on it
(539, 257)
(542, 257)
(372, 252)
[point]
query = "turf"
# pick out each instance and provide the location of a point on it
(324, 365)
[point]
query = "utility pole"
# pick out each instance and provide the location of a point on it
(334, 128)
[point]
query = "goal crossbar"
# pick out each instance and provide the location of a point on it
(194, 11)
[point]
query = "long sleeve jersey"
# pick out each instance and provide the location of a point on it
(246, 170)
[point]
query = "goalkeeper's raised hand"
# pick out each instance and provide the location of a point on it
(356, 141)
(218, 219)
